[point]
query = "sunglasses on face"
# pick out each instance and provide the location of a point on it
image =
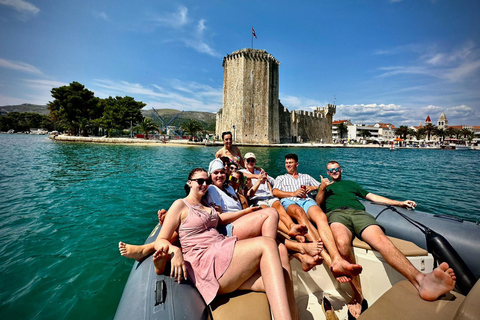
(332, 170)
(233, 168)
(201, 181)
(251, 160)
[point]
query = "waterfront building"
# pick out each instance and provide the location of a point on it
(335, 133)
(252, 109)
(442, 121)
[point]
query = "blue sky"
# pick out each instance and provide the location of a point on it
(384, 61)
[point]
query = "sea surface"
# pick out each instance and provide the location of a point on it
(65, 206)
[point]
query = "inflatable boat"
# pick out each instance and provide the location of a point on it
(151, 296)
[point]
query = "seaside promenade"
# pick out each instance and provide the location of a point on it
(183, 142)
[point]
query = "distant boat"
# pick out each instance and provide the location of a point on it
(453, 146)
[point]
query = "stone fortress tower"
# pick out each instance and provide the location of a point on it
(252, 109)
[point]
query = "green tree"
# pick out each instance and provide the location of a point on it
(146, 126)
(342, 129)
(120, 113)
(441, 133)
(24, 121)
(365, 133)
(467, 134)
(429, 128)
(402, 132)
(450, 132)
(73, 106)
(419, 134)
(192, 127)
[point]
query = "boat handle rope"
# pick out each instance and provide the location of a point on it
(417, 224)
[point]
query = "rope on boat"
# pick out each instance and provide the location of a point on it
(417, 224)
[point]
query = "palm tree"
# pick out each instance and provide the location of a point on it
(146, 126)
(365, 133)
(402, 132)
(467, 133)
(419, 133)
(192, 127)
(441, 133)
(429, 128)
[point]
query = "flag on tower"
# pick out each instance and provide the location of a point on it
(254, 34)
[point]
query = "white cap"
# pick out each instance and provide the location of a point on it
(215, 164)
(250, 155)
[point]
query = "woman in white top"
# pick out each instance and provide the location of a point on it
(243, 223)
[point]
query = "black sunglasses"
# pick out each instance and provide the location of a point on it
(201, 181)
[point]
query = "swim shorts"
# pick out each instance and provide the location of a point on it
(305, 204)
(355, 220)
(265, 202)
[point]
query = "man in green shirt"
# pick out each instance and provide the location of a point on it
(348, 219)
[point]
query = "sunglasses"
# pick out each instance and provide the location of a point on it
(201, 181)
(233, 168)
(331, 170)
(251, 160)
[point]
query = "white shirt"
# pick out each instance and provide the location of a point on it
(218, 197)
(263, 191)
(288, 183)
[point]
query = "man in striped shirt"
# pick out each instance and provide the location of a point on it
(293, 189)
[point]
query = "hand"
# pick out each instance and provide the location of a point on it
(216, 207)
(409, 204)
(162, 213)
(256, 208)
(178, 268)
(325, 182)
(300, 193)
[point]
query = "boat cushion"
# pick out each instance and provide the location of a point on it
(470, 308)
(241, 305)
(403, 302)
(408, 248)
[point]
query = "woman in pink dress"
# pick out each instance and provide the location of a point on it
(217, 264)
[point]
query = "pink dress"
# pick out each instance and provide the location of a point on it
(206, 252)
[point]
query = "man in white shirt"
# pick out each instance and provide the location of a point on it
(293, 189)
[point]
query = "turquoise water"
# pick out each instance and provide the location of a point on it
(64, 207)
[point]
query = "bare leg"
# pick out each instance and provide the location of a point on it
(339, 267)
(249, 255)
(343, 237)
(262, 222)
(294, 229)
(136, 252)
(311, 248)
(430, 286)
(299, 215)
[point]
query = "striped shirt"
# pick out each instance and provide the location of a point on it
(288, 183)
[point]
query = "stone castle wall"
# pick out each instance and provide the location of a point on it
(252, 109)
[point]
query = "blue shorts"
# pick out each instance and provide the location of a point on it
(305, 204)
(226, 229)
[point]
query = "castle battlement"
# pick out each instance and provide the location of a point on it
(251, 107)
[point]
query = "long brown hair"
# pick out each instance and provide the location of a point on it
(190, 175)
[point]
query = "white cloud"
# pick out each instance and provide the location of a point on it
(21, 6)
(44, 84)
(102, 15)
(185, 30)
(20, 66)
(300, 103)
(178, 95)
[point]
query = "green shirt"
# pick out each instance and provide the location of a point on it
(344, 193)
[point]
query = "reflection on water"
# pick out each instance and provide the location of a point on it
(64, 207)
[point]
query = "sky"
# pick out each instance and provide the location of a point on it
(391, 61)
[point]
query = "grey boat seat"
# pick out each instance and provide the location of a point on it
(403, 302)
(408, 248)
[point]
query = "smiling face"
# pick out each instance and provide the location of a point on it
(236, 180)
(291, 166)
(198, 182)
(334, 171)
(227, 141)
(218, 178)
(250, 164)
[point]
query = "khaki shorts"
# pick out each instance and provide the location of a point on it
(265, 202)
(355, 220)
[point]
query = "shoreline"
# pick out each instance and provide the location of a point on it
(143, 142)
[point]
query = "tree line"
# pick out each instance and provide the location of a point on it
(76, 110)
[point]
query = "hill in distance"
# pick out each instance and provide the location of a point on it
(207, 119)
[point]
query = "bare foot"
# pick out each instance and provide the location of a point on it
(311, 248)
(135, 252)
(300, 239)
(355, 308)
(342, 269)
(436, 283)
(297, 230)
(161, 215)
(160, 258)
(308, 262)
